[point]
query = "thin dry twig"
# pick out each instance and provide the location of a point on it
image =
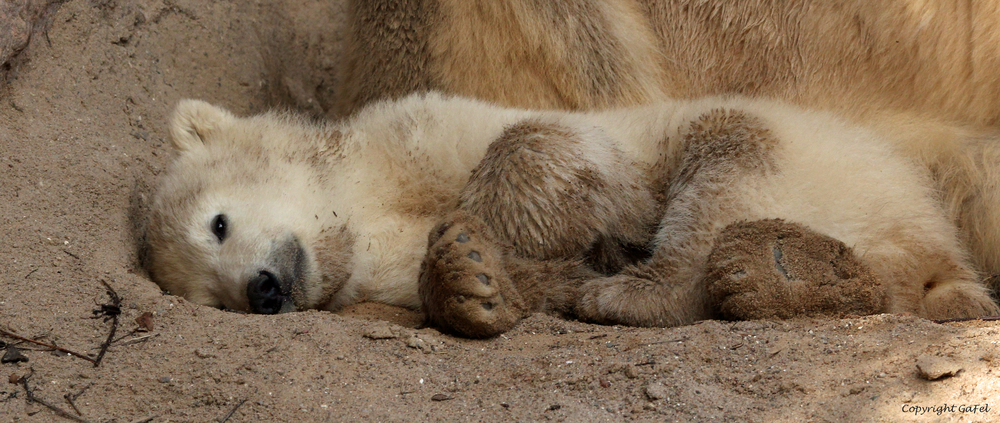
(70, 398)
(120, 338)
(111, 311)
(72, 405)
(73, 353)
(135, 340)
(9, 397)
(53, 407)
(230, 413)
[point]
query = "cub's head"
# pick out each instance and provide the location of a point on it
(237, 217)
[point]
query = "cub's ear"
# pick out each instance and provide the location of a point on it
(193, 121)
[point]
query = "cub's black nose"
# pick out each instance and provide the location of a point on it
(264, 293)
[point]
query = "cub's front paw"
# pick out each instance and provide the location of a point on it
(463, 284)
(770, 269)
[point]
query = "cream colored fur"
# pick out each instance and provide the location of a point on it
(932, 58)
(382, 179)
(907, 68)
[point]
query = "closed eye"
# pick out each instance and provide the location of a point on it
(220, 226)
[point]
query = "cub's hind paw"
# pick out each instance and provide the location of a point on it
(770, 269)
(463, 284)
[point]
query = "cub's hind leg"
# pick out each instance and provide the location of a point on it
(734, 168)
(542, 200)
(728, 153)
(840, 182)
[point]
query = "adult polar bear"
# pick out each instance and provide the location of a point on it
(270, 214)
(936, 58)
(885, 63)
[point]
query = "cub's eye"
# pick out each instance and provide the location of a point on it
(219, 226)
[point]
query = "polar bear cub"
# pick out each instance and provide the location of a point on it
(656, 216)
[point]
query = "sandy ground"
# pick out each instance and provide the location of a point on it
(82, 137)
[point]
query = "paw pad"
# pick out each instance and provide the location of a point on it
(775, 269)
(464, 287)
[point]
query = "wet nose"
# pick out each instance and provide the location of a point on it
(264, 293)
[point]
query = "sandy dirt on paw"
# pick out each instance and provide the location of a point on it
(83, 113)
